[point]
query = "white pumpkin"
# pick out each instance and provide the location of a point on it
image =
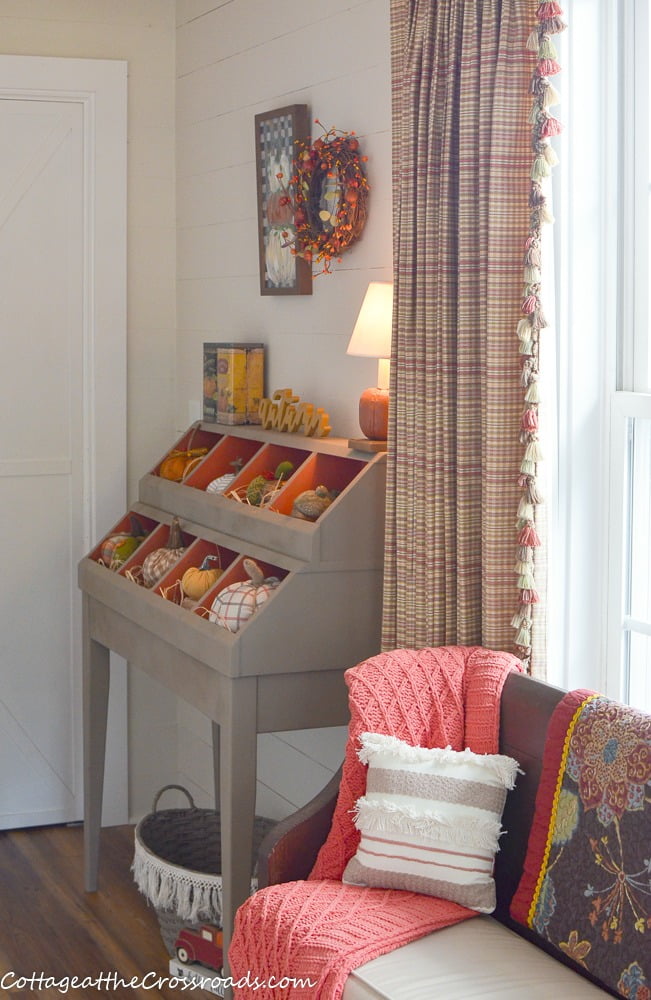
(235, 604)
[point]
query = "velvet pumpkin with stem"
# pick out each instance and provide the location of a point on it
(197, 580)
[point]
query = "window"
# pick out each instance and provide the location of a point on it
(628, 645)
(629, 600)
(599, 358)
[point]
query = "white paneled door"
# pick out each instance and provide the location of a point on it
(54, 277)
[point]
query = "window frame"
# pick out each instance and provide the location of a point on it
(625, 408)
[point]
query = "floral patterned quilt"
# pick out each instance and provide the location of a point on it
(586, 886)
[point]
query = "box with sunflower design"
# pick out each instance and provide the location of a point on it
(233, 382)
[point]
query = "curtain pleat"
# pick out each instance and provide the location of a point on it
(461, 162)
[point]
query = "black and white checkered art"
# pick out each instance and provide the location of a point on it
(276, 136)
(277, 142)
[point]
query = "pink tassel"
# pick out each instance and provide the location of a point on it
(546, 10)
(551, 126)
(528, 536)
(529, 304)
(529, 596)
(529, 420)
(547, 67)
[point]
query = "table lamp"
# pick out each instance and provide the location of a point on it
(372, 339)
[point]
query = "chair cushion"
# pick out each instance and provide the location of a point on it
(430, 820)
(479, 958)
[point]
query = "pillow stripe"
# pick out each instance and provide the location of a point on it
(386, 816)
(486, 858)
(413, 858)
(442, 788)
(480, 897)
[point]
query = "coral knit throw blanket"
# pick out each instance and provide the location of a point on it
(321, 929)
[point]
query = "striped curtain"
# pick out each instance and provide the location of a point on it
(462, 160)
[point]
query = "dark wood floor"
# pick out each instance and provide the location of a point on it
(49, 925)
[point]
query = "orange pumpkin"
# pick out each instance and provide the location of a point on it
(178, 464)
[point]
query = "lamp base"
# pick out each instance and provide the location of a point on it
(374, 413)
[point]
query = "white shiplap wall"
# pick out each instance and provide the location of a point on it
(142, 32)
(236, 58)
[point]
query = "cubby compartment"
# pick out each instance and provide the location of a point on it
(220, 558)
(158, 539)
(331, 471)
(196, 440)
(221, 461)
(265, 463)
(108, 554)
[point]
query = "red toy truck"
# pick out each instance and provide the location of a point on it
(204, 945)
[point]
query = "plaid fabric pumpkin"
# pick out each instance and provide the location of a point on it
(235, 604)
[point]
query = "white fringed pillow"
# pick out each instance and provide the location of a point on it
(430, 820)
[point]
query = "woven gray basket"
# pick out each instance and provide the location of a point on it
(177, 864)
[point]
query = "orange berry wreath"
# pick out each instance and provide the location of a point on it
(330, 197)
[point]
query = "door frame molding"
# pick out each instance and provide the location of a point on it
(100, 87)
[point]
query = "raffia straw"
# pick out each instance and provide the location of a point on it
(135, 575)
(169, 592)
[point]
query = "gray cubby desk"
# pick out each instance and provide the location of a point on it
(284, 669)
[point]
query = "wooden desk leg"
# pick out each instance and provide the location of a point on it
(95, 701)
(237, 767)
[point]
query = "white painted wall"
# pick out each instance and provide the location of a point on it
(235, 59)
(222, 61)
(143, 33)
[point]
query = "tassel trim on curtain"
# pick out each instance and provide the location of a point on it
(543, 127)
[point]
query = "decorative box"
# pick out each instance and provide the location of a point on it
(233, 383)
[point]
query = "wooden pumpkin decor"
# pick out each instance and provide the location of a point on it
(179, 464)
(197, 580)
(157, 563)
(117, 548)
(235, 604)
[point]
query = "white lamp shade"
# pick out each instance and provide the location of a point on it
(372, 332)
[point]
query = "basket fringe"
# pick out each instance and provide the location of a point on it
(193, 896)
